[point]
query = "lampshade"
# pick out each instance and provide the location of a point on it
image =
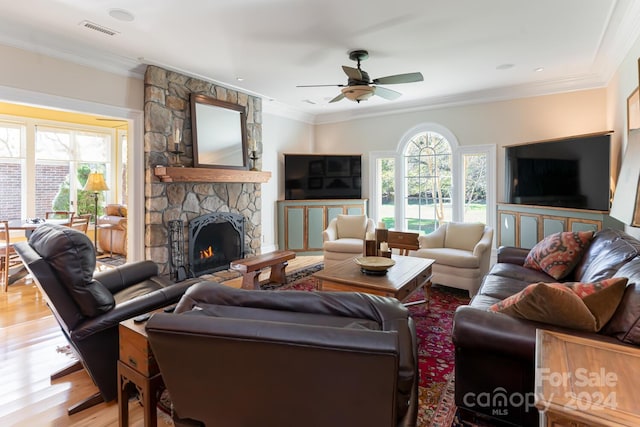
(626, 201)
(95, 182)
(358, 93)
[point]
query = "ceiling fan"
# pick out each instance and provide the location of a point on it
(360, 87)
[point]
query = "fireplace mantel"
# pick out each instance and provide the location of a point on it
(178, 174)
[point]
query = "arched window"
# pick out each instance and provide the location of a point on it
(428, 164)
(430, 179)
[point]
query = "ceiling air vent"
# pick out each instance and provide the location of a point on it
(95, 27)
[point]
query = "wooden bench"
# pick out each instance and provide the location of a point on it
(250, 268)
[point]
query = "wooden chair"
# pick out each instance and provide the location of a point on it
(8, 257)
(81, 222)
(403, 241)
(60, 215)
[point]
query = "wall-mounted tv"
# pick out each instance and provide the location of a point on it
(322, 176)
(570, 173)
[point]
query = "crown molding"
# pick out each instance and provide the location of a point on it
(571, 84)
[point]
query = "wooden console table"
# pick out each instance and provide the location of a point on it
(137, 371)
(582, 382)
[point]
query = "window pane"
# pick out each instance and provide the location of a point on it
(386, 186)
(428, 182)
(53, 144)
(475, 188)
(10, 141)
(123, 170)
(11, 167)
(92, 146)
(86, 199)
(52, 188)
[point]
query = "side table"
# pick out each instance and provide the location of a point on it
(137, 371)
(584, 382)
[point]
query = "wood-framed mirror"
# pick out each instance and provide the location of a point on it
(219, 133)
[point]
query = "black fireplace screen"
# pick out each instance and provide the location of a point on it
(215, 240)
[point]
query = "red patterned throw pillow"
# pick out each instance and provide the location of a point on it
(558, 253)
(582, 306)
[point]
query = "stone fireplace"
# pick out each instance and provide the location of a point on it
(166, 103)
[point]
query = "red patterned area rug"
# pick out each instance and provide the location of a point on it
(435, 351)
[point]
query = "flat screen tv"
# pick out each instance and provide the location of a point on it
(322, 176)
(570, 173)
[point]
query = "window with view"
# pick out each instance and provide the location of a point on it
(47, 166)
(430, 179)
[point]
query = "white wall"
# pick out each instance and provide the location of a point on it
(501, 123)
(39, 73)
(623, 83)
(279, 135)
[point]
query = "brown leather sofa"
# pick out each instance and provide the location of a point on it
(234, 357)
(495, 353)
(112, 230)
(89, 307)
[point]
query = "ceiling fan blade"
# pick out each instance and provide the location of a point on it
(399, 78)
(385, 93)
(319, 85)
(337, 98)
(352, 73)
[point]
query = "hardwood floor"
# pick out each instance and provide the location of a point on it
(30, 338)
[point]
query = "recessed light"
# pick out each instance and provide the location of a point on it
(504, 66)
(121, 15)
(240, 79)
(539, 69)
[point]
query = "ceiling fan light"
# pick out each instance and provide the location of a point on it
(358, 93)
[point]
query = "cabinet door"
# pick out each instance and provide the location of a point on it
(334, 211)
(294, 218)
(315, 227)
(355, 210)
(576, 224)
(552, 224)
(507, 229)
(528, 230)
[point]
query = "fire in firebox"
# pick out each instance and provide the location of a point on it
(206, 253)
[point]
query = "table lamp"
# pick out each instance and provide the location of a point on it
(95, 182)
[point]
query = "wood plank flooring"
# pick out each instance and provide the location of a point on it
(29, 339)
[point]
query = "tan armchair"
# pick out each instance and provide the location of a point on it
(112, 230)
(462, 252)
(344, 237)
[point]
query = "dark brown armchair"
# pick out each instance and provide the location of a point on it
(234, 357)
(90, 307)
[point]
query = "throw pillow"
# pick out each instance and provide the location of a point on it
(601, 298)
(550, 303)
(583, 306)
(558, 253)
(463, 236)
(351, 226)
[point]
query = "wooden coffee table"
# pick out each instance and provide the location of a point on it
(408, 275)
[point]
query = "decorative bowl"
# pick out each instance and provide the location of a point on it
(375, 263)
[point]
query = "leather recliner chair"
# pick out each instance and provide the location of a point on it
(90, 307)
(235, 357)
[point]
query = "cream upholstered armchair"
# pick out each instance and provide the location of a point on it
(344, 237)
(462, 252)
